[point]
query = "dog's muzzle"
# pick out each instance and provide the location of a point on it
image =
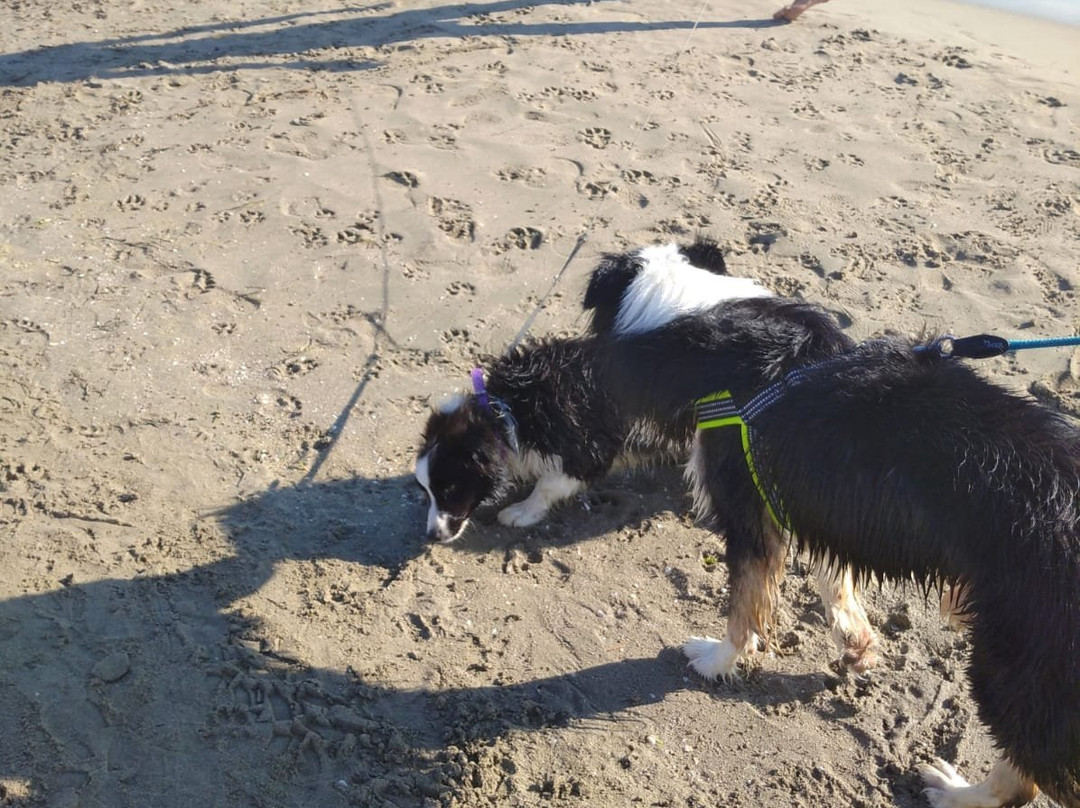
(444, 527)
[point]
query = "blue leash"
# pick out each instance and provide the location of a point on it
(983, 346)
(1049, 342)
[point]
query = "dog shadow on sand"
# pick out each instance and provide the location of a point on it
(163, 686)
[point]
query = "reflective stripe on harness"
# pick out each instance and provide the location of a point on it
(719, 410)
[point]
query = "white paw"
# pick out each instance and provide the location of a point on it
(711, 657)
(942, 782)
(522, 514)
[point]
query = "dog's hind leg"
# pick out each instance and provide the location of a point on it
(851, 630)
(1003, 787)
(755, 575)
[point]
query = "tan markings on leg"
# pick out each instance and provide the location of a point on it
(753, 601)
(1004, 787)
(953, 603)
(755, 594)
(851, 630)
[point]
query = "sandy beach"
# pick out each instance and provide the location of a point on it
(246, 244)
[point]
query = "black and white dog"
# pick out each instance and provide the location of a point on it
(897, 460)
(542, 414)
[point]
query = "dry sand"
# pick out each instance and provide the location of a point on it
(244, 242)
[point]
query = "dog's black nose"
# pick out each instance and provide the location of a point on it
(446, 528)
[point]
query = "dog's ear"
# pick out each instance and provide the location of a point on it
(705, 254)
(465, 418)
(442, 424)
(607, 285)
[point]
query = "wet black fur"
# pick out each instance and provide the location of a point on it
(900, 464)
(551, 391)
(467, 467)
(560, 409)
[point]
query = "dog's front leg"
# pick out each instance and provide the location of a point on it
(755, 570)
(549, 490)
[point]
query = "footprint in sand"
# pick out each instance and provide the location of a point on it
(1057, 290)
(953, 57)
(807, 111)
(131, 202)
(429, 84)
(525, 238)
(311, 235)
(461, 288)
(564, 93)
(597, 137)
(453, 217)
(444, 141)
(290, 404)
(406, 178)
(459, 343)
(1062, 157)
(1055, 204)
(362, 231)
(291, 368)
(639, 176)
(203, 280)
(529, 175)
(125, 102)
(597, 189)
(762, 235)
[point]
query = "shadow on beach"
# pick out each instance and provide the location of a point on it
(236, 710)
(318, 40)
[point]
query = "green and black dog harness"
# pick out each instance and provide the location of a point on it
(719, 410)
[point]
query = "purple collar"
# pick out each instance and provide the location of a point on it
(497, 408)
(479, 388)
